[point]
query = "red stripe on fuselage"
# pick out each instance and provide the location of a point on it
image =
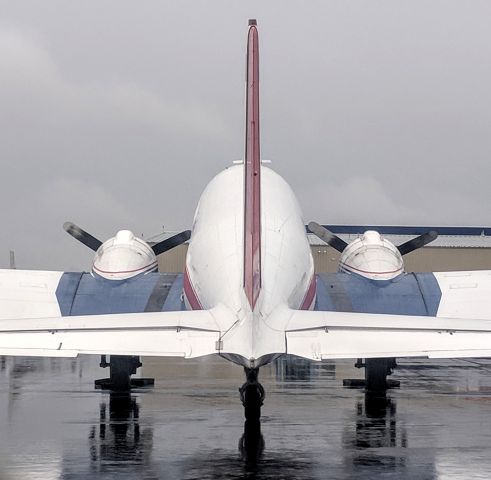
(189, 292)
(309, 298)
(252, 174)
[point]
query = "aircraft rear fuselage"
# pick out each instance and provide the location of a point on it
(215, 259)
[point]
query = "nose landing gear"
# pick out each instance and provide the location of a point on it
(252, 395)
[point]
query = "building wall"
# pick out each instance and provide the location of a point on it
(174, 260)
(428, 259)
(431, 259)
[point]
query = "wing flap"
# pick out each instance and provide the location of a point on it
(323, 335)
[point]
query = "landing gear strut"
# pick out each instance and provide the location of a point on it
(121, 367)
(252, 395)
(376, 372)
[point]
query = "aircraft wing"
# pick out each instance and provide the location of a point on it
(465, 294)
(45, 313)
(41, 294)
(323, 335)
(446, 314)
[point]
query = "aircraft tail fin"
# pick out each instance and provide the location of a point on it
(252, 173)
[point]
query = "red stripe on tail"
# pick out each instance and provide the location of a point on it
(252, 173)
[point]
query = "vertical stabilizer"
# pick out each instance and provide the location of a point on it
(252, 173)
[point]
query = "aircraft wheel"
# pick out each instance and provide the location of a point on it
(376, 371)
(121, 367)
(252, 395)
(253, 400)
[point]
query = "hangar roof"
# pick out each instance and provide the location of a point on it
(449, 237)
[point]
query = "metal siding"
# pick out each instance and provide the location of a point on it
(432, 259)
(427, 259)
(174, 260)
(326, 259)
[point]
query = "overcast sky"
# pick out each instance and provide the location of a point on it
(115, 114)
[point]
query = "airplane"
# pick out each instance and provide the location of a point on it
(249, 292)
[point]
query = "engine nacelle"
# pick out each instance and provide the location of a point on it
(124, 256)
(372, 256)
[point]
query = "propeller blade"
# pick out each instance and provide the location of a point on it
(82, 236)
(324, 234)
(417, 242)
(171, 242)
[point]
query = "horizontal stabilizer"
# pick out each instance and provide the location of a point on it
(181, 334)
(322, 335)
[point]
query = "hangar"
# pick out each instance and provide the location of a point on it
(456, 248)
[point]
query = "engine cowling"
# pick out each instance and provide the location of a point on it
(124, 256)
(372, 256)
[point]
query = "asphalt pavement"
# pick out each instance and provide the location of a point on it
(55, 425)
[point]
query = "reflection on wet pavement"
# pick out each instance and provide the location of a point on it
(118, 438)
(55, 425)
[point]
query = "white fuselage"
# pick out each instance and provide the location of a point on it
(215, 263)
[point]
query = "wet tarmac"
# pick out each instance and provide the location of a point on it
(55, 425)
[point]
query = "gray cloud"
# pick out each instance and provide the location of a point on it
(116, 115)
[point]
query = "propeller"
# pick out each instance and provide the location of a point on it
(417, 242)
(335, 242)
(324, 234)
(93, 243)
(82, 236)
(171, 242)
